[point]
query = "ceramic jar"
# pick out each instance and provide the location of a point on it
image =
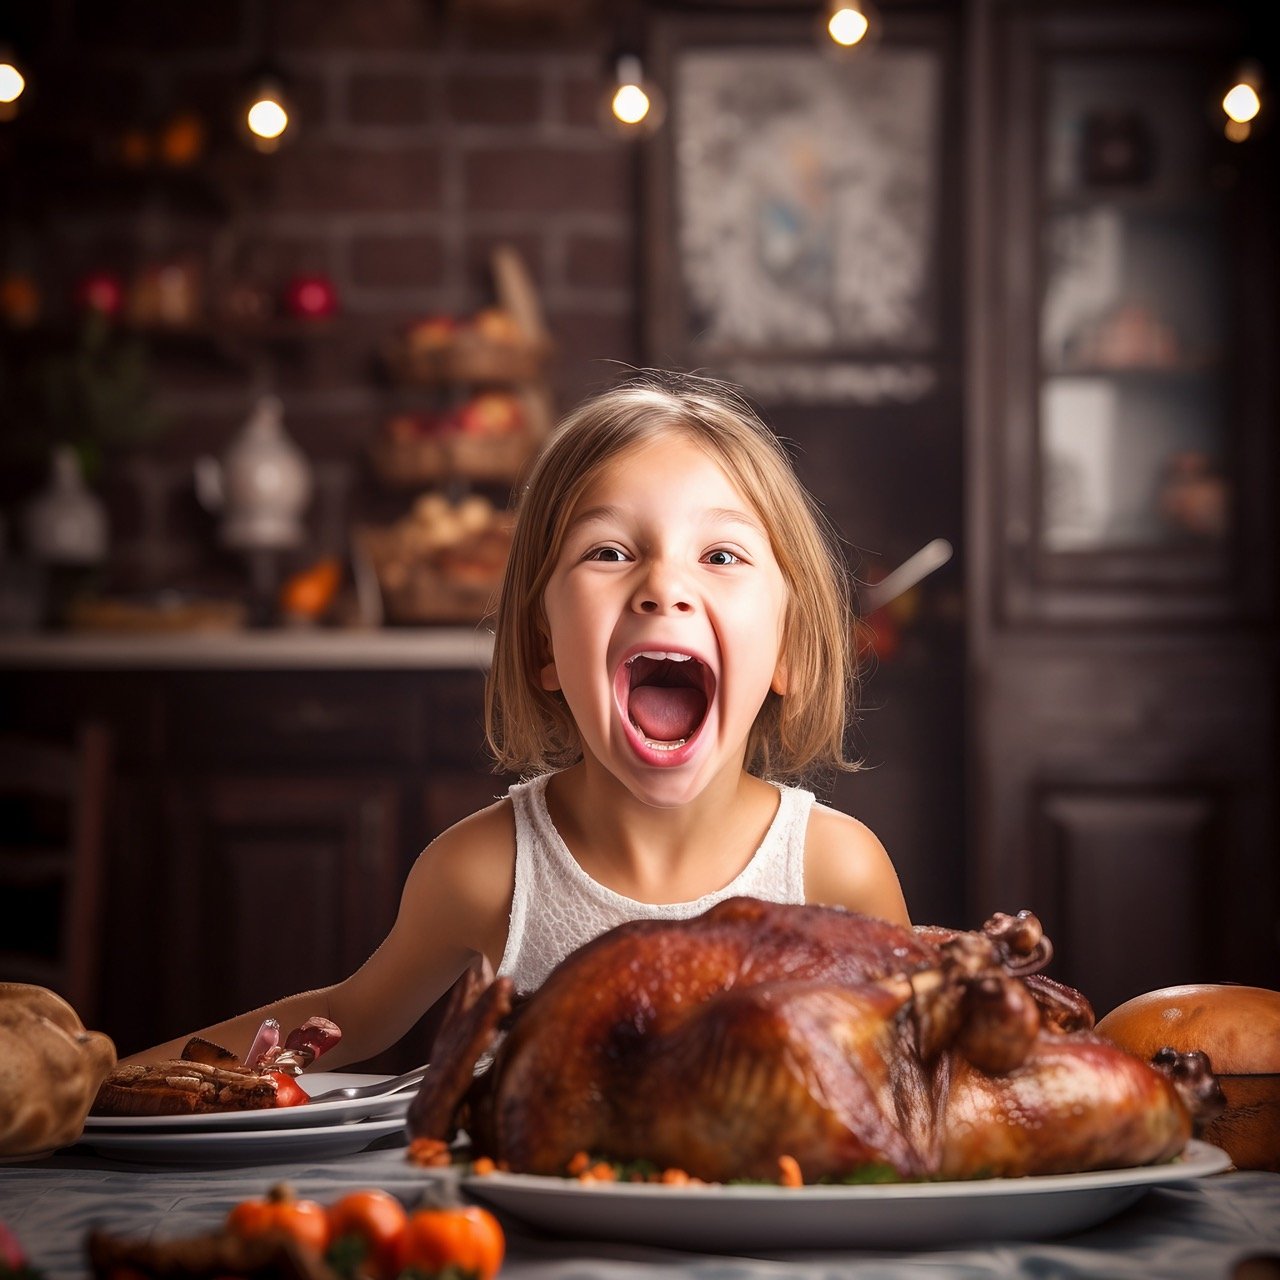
(66, 523)
(261, 487)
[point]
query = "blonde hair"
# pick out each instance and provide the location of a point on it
(529, 729)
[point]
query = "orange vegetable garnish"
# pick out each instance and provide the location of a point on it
(428, 1152)
(377, 1220)
(281, 1213)
(467, 1238)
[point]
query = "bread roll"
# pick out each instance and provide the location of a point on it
(50, 1070)
(1239, 1029)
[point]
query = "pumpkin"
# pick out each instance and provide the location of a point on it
(376, 1221)
(281, 1212)
(466, 1238)
(1238, 1028)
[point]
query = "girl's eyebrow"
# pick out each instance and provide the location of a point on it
(594, 514)
(728, 515)
(717, 515)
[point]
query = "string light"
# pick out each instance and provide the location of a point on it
(267, 114)
(633, 104)
(267, 118)
(266, 111)
(630, 103)
(848, 24)
(1242, 102)
(12, 84)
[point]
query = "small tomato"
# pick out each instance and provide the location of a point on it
(467, 1238)
(281, 1213)
(376, 1220)
(289, 1093)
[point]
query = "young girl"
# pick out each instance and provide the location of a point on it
(672, 643)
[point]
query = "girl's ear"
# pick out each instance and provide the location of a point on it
(548, 676)
(779, 682)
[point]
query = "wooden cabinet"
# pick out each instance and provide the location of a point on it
(1121, 470)
(293, 881)
(1125, 793)
(262, 824)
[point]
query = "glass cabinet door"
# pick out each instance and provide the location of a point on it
(1134, 446)
(1134, 322)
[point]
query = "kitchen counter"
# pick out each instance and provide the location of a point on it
(242, 763)
(430, 648)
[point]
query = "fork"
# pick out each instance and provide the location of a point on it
(378, 1089)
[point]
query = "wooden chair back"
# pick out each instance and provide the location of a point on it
(53, 819)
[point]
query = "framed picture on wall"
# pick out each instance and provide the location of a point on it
(793, 215)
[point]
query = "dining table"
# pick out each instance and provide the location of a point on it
(1222, 1226)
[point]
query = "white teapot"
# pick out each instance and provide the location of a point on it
(263, 485)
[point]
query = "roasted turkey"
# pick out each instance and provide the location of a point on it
(757, 1031)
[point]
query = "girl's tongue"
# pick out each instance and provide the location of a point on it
(666, 713)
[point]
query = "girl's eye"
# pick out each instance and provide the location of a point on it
(609, 555)
(721, 556)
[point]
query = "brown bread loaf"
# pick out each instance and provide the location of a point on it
(1238, 1028)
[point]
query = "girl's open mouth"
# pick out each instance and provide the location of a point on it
(665, 696)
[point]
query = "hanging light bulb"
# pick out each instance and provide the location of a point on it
(632, 103)
(12, 84)
(268, 112)
(849, 23)
(1242, 102)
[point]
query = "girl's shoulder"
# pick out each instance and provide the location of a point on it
(835, 839)
(479, 844)
(846, 865)
(471, 867)
(461, 886)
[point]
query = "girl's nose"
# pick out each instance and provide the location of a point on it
(662, 591)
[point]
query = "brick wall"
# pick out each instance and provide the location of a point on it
(422, 140)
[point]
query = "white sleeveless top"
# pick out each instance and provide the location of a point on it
(557, 906)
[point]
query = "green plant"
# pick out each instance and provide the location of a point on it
(96, 396)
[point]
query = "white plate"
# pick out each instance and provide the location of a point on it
(250, 1146)
(883, 1216)
(307, 1116)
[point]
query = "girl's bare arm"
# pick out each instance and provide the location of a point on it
(454, 906)
(847, 866)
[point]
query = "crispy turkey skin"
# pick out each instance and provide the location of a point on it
(718, 1045)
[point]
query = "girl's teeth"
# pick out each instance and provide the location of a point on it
(657, 655)
(665, 746)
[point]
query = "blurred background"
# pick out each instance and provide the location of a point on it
(291, 291)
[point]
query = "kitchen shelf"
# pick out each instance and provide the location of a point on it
(419, 648)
